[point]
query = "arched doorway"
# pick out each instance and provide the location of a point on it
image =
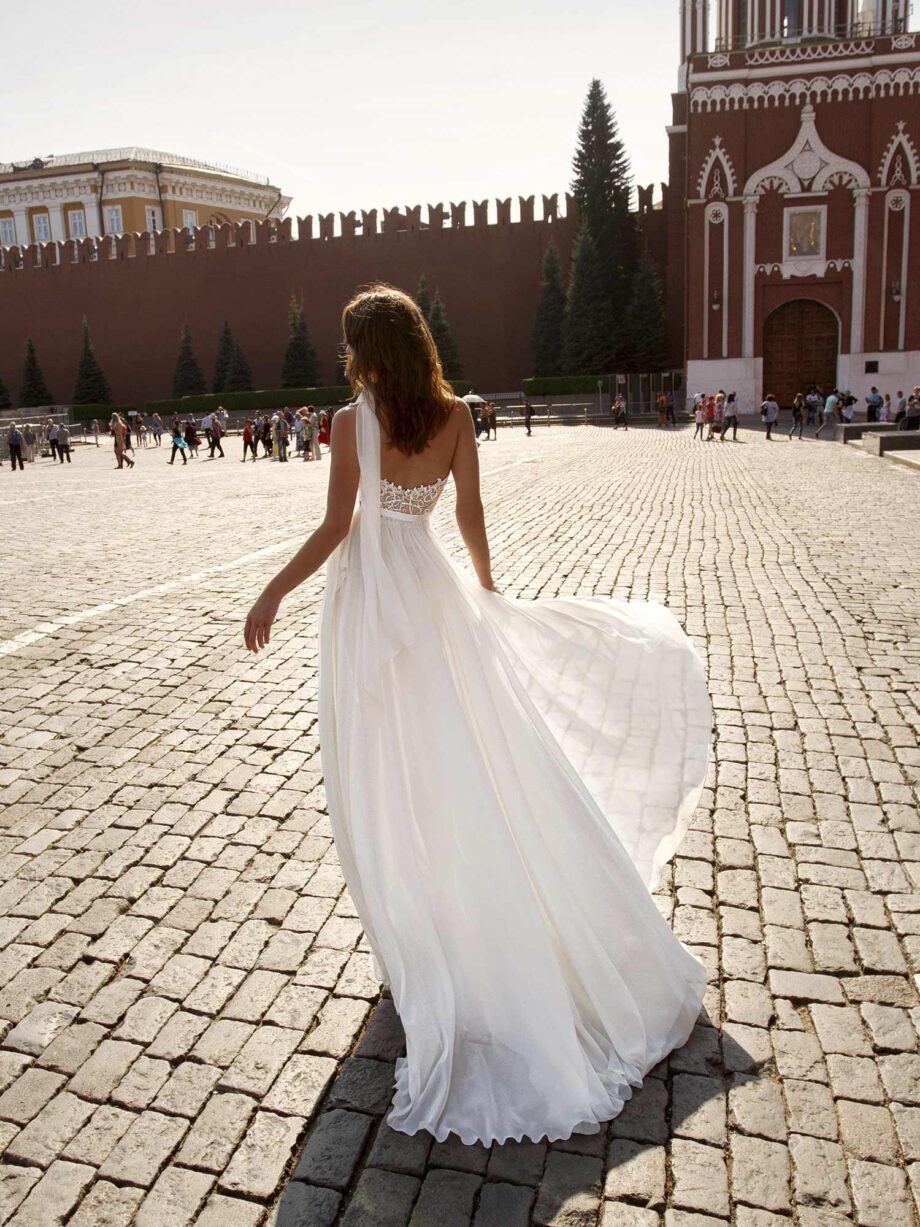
(800, 346)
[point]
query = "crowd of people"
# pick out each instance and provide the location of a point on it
(717, 413)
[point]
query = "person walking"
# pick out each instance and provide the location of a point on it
(179, 445)
(217, 431)
(536, 980)
(94, 431)
(828, 412)
(873, 404)
(156, 423)
(699, 417)
(206, 425)
(283, 434)
(798, 414)
(900, 406)
(847, 407)
(190, 435)
(769, 411)
(669, 410)
(299, 429)
(248, 441)
(885, 411)
(63, 442)
(119, 429)
(53, 429)
(730, 417)
(14, 442)
(528, 414)
(29, 440)
(313, 426)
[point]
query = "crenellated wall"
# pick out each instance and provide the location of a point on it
(138, 289)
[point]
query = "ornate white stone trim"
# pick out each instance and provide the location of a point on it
(809, 51)
(717, 157)
(899, 153)
(719, 60)
(807, 166)
(739, 96)
(904, 42)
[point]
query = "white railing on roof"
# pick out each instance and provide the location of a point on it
(131, 154)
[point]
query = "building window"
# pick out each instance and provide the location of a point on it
(113, 219)
(41, 223)
(804, 233)
(76, 222)
(7, 231)
(154, 218)
(190, 218)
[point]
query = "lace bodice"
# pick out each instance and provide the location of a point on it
(410, 500)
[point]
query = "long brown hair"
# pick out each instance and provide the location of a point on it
(393, 355)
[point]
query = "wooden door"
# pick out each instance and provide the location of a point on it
(799, 349)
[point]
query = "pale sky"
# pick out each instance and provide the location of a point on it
(346, 105)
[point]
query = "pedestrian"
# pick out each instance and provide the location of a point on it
(178, 445)
(900, 406)
(29, 441)
(828, 412)
(94, 431)
(699, 417)
(206, 428)
(324, 429)
(248, 441)
(217, 431)
(911, 419)
(812, 401)
(119, 429)
(53, 437)
(730, 417)
(299, 429)
(139, 429)
(267, 435)
(769, 411)
(873, 404)
(669, 410)
(14, 442)
(528, 414)
(885, 412)
(63, 442)
(709, 415)
(492, 420)
(798, 414)
(847, 407)
(190, 435)
(313, 427)
(719, 417)
(156, 423)
(619, 412)
(282, 434)
(661, 403)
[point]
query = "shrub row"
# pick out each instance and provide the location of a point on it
(549, 385)
(269, 398)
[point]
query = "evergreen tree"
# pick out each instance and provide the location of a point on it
(239, 375)
(444, 340)
(588, 327)
(224, 357)
(301, 365)
(188, 379)
(340, 376)
(643, 324)
(602, 190)
(91, 387)
(548, 323)
(423, 298)
(34, 391)
(5, 402)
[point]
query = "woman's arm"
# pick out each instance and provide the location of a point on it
(470, 517)
(340, 505)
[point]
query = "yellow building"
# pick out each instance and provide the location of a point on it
(125, 191)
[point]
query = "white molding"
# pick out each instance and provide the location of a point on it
(750, 236)
(718, 153)
(807, 166)
(901, 139)
(903, 82)
(771, 72)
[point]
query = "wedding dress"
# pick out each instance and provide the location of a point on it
(505, 779)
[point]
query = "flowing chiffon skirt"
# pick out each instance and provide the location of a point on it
(500, 810)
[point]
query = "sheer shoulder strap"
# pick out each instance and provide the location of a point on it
(386, 623)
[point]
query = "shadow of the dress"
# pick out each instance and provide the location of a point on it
(354, 1171)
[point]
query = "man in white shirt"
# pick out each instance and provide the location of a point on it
(206, 427)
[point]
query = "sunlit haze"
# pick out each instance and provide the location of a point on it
(347, 105)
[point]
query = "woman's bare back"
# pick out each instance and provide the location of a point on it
(427, 467)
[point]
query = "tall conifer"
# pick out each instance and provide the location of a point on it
(423, 298)
(91, 386)
(239, 374)
(301, 365)
(588, 328)
(223, 358)
(188, 379)
(550, 317)
(444, 340)
(643, 325)
(34, 391)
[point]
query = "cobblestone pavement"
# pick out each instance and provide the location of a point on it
(189, 1028)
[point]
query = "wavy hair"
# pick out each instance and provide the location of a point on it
(392, 354)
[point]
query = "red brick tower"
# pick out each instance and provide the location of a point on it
(794, 249)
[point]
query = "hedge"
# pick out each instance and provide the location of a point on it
(102, 413)
(271, 398)
(550, 385)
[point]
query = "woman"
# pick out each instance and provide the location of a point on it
(483, 760)
(699, 419)
(157, 423)
(730, 417)
(324, 428)
(119, 429)
(248, 441)
(179, 444)
(798, 415)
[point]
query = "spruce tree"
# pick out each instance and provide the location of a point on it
(643, 324)
(588, 327)
(444, 340)
(5, 402)
(34, 391)
(224, 357)
(239, 375)
(423, 298)
(301, 365)
(91, 387)
(548, 323)
(188, 379)
(602, 190)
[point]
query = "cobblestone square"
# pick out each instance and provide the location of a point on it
(190, 1031)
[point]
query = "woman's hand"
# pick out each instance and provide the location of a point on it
(259, 621)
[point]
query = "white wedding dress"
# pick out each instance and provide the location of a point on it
(505, 778)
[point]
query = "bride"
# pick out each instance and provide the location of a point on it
(505, 778)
